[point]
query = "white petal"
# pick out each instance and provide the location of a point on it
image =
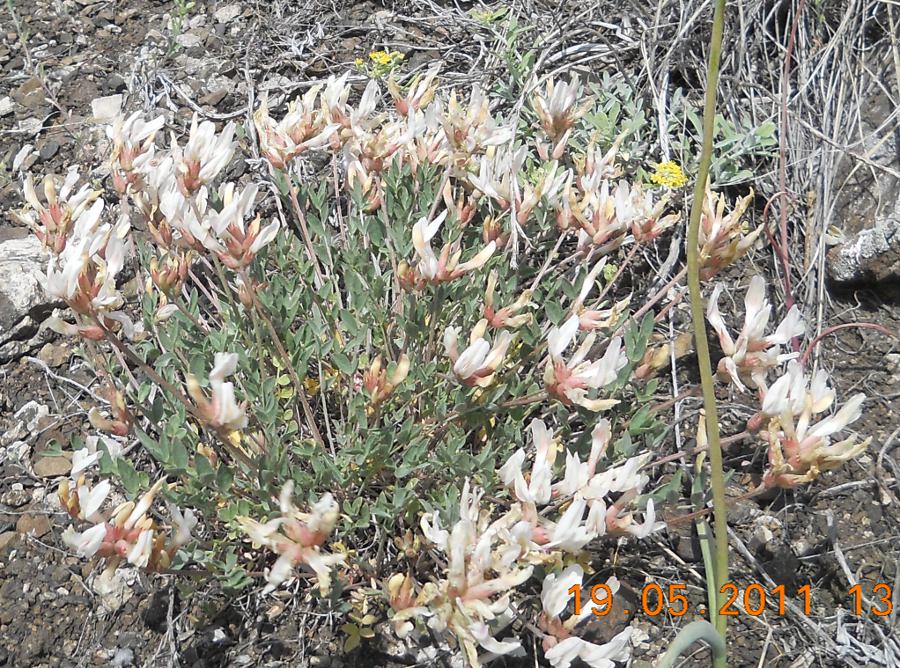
(559, 338)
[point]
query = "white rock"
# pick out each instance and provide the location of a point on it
(227, 13)
(872, 254)
(6, 106)
(30, 415)
(189, 39)
(21, 276)
(114, 589)
(766, 528)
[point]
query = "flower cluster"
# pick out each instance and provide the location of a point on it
(799, 449)
(297, 538)
(222, 410)
(487, 559)
(127, 532)
(555, 185)
(669, 175)
(749, 358)
(723, 237)
(571, 380)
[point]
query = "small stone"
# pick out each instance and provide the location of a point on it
(22, 273)
(52, 467)
(55, 355)
(7, 539)
(30, 94)
(214, 97)
(122, 657)
(237, 168)
(16, 497)
(114, 588)
(114, 84)
(766, 529)
(17, 451)
(31, 414)
(48, 150)
(34, 525)
(190, 39)
(893, 367)
(227, 13)
(6, 106)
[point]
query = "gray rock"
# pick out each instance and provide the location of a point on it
(52, 467)
(114, 587)
(30, 415)
(16, 497)
(227, 13)
(868, 205)
(48, 150)
(871, 255)
(114, 84)
(191, 39)
(21, 277)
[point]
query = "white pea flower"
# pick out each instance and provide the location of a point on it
(478, 363)
(570, 381)
(750, 357)
(799, 448)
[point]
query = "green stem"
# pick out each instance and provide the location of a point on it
(699, 630)
(693, 260)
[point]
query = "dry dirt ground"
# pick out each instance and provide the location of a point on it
(54, 59)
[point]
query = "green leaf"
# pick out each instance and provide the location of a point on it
(343, 363)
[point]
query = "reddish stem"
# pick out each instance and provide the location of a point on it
(846, 325)
(782, 167)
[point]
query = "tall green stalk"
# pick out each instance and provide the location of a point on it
(720, 574)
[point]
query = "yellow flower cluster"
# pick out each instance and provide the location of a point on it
(380, 63)
(669, 174)
(384, 58)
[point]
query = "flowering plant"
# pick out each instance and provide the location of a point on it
(316, 356)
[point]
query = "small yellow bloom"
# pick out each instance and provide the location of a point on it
(669, 174)
(359, 62)
(380, 57)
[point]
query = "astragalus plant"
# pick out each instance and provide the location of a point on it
(401, 362)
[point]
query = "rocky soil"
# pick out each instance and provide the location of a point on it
(56, 610)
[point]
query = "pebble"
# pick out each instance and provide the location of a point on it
(48, 150)
(33, 525)
(55, 355)
(7, 539)
(113, 84)
(52, 467)
(30, 415)
(214, 97)
(190, 39)
(227, 13)
(16, 497)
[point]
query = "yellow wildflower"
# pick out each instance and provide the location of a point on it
(669, 174)
(359, 62)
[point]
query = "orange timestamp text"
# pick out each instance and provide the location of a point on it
(753, 600)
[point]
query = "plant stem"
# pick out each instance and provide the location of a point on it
(831, 330)
(174, 391)
(699, 630)
(299, 389)
(304, 230)
(717, 479)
